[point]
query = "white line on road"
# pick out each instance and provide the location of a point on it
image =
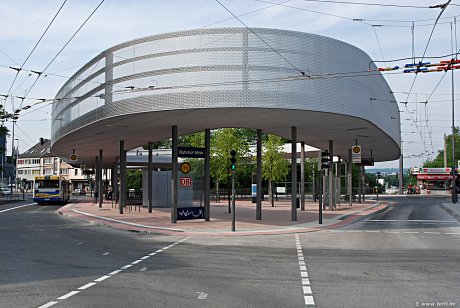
(48, 304)
(306, 287)
(16, 207)
(115, 272)
(105, 253)
(411, 232)
(86, 286)
(72, 293)
(432, 232)
(102, 278)
(111, 274)
(412, 220)
(453, 233)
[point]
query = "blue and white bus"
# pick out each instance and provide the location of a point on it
(51, 189)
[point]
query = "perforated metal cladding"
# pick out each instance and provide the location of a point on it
(228, 67)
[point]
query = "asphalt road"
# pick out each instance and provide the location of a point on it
(405, 256)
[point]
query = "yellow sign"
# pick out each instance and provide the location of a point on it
(185, 167)
(73, 157)
(356, 149)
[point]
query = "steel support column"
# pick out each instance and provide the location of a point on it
(122, 176)
(149, 179)
(350, 177)
(207, 174)
(100, 182)
(174, 175)
(294, 173)
(259, 176)
(331, 177)
(302, 176)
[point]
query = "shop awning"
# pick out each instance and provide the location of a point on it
(443, 177)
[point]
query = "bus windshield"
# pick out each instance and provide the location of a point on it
(46, 184)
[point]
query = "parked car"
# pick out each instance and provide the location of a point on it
(79, 192)
(5, 191)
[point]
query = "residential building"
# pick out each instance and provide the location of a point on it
(39, 160)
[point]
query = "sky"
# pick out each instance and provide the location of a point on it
(386, 30)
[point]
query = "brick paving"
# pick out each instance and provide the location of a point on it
(274, 219)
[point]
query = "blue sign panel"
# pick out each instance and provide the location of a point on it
(191, 152)
(254, 190)
(185, 213)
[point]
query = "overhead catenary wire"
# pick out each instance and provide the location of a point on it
(260, 38)
(63, 47)
(36, 44)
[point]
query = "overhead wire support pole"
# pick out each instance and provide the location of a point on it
(454, 172)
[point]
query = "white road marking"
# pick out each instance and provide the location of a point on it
(105, 253)
(306, 287)
(371, 231)
(68, 295)
(309, 301)
(392, 232)
(49, 304)
(411, 232)
(111, 274)
(412, 220)
(202, 295)
(143, 269)
(102, 278)
(432, 232)
(16, 207)
(86, 286)
(458, 233)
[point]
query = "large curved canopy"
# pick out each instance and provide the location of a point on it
(228, 77)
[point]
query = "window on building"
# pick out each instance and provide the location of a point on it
(48, 160)
(20, 161)
(36, 172)
(64, 171)
(48, 171)
(36, 161)
(76, 171)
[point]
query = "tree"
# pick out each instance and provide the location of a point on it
(274, 166)
(438, 161)
(222, 142)
(134, 179)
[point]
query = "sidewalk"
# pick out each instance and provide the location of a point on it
(452, 209)
(275, 220)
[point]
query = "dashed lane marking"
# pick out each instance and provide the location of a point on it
(16, 207)
(306, 287)
(48, 304)
(72, 293)
(86, 286)
(111, 274)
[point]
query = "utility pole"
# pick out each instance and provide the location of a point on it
(454, 172)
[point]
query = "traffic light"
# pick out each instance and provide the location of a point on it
(325, 160)
(379, 175)
(233, 160)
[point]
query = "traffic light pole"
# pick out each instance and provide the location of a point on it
(320, 218)
(233, 201)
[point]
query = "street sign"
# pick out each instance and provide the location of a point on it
(356, 154)
(185, 182)
(73, 157)
(191, 152)
(185, 167)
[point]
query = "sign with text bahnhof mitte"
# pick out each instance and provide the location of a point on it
(356, 154)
